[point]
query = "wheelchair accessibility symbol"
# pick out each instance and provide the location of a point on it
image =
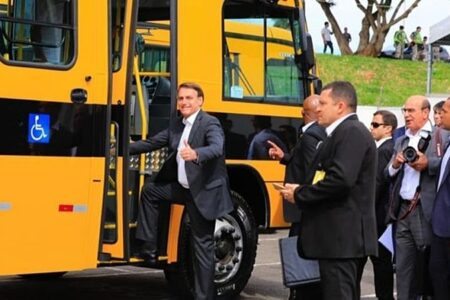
(39, 128)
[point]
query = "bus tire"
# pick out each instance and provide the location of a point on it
(236, 239)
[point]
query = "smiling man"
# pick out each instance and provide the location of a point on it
(194, 174)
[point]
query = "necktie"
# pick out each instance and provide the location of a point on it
(182, 178)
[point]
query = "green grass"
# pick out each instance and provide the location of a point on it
(383, 81)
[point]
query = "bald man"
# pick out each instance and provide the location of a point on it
(298, 164)
(413, 196)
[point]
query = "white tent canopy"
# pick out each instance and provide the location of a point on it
(440, 33)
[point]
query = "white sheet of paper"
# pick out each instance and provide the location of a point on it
(386, 239)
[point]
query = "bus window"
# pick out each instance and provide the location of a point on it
(154, 59)
(259, 52)
(38, 31)
(117, 23)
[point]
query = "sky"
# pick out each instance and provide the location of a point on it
(426, 14)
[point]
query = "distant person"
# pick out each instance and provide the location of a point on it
(259, 147)
(338, 225)
(400, 40)
(326, 37)
(440, 222)
(423, 55)
(347, 35)
(437, 111)
(383, 125)
(298, 165)
(416, 43)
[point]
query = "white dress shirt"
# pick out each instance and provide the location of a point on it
(336, 123)
(182, 177)
(411, 177)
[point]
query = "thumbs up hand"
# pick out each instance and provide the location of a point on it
(187, 153)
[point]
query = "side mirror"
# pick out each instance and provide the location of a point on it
(307, 57)
(317, 84)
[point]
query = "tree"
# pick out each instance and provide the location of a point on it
(379, 17)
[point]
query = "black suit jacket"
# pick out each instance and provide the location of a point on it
(338, 212)
(298, 164)
(384, 153)
(207, 177)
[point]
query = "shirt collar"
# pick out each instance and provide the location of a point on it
(427, 127)
(304, 128)
(191, 118)
(336, 123)
(380, 142)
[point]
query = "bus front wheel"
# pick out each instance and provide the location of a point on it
(236, 238)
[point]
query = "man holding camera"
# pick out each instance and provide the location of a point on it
(412, 169)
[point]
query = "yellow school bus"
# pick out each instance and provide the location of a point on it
(77, 81)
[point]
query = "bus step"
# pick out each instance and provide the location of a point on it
(103, 256)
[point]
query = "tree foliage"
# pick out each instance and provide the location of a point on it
(379, 17)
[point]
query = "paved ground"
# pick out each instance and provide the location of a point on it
(132, 283)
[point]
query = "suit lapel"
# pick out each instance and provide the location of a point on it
(195, 127)
(447, 167)
(177, 132)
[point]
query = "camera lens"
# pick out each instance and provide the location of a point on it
(410, 154)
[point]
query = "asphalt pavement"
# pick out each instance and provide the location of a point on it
(133, 283)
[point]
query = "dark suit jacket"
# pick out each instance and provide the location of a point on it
(384, 153)
(427, 177)
(338, 212)
(440, 219)
(208, 179)
(298, 164)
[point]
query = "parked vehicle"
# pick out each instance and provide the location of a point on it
(389, 52)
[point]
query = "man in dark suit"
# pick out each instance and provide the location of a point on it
(383, 125)
(338, 225)
(194, 174)
(298, 165)
(440, 221)
(413, 193)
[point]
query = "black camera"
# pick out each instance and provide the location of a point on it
(410, 154)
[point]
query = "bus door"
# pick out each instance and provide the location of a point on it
(54, 119)
(118, 208)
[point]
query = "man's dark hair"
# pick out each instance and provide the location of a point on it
(343, 90)
(326, 23)
(401, 27)
(389, 118)
(438, 106)
(194, 86)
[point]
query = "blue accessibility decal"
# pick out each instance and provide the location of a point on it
(39, 128)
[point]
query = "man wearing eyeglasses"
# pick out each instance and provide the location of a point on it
(413, 196)
(382, 127)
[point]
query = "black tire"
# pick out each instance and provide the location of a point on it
(236, 238)
(43, 276)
